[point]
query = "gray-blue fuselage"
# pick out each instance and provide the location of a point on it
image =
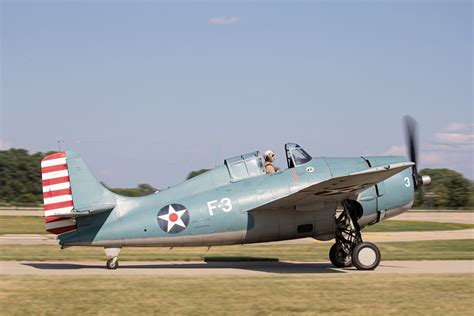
(222, 211)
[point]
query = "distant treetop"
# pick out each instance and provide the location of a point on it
(195, 173)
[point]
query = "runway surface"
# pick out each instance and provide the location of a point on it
(227, 268)
(440, 217)
(48, 239)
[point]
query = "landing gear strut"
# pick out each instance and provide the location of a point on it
(349, 248)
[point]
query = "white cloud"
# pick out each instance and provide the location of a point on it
(395, 150)
(4, 145)
(456, 134)
(431, 157)
(458, 127)
(451, 147)
(223, 20)
(455, 138)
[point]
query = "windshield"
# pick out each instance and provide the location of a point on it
(296, 155)
(300, 156)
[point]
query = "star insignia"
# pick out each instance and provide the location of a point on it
(174, 217)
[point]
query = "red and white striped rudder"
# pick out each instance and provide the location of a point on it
(57, 194)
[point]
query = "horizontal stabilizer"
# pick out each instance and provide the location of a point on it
(89, 211)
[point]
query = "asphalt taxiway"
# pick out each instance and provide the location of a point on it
(48, 239)
(227, 268)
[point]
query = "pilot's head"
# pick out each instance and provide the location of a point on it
(270, 156)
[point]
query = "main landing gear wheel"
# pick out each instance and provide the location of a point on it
(366, 256)
(349, 248)
(112, 264)
(339, 256)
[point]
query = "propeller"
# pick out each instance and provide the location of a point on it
(411, 134)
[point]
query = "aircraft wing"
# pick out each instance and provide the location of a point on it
(339, 188)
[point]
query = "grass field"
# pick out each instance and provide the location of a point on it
(21, 225)
(221, 295)
(417, 250)
(35, 225)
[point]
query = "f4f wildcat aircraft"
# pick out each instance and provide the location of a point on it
(237, 203)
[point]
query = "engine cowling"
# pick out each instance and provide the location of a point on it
(388, 198)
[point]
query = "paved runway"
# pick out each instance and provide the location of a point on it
(48, 239)
(13, 212)
(441, 217)
(227, 268)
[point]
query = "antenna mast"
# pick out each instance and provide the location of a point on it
(59, 144)
(217, 155)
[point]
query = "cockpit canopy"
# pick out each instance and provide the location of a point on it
(245, 166)
(252, 164)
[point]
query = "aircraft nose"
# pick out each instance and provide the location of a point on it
(425, 180)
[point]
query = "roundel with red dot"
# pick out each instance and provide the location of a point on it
(173, 218)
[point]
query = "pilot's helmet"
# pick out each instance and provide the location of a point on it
(269, 155)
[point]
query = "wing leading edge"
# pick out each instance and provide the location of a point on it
(341, 187)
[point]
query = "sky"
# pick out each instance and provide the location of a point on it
(146, 91)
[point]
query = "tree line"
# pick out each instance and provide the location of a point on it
(20, 183)
(20, 179)
(448, 188)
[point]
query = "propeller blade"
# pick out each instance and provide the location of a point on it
(411, 135)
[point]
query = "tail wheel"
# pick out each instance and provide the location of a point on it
(366, 256)
(112, 264)
(339, 257)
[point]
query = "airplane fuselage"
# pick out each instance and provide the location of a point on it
(212, 209)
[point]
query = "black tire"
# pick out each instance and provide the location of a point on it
(366, 256)
(339, 258)
(111, 265)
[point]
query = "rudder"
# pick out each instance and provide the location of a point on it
(69, 190)
(57, 194)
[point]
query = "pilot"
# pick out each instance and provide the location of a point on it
(269, 159)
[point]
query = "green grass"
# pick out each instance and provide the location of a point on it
(415, 226)
(414, 250)
(242, 295)
(35, 225)
(22, 225)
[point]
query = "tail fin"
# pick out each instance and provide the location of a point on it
(70, 190)
(57, 195)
